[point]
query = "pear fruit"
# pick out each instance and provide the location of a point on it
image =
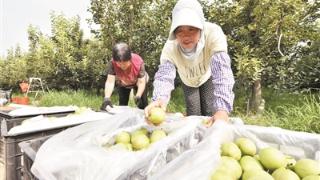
(156, 135)
(221, 175)
(246, 146)
(312, 177)
(256, 175)
(306, 167)
(157, 115)
(140, 141)
(284, 174)
(250, 163)
(231, 149)
(123, 137)
(230, 166)
(271, 158)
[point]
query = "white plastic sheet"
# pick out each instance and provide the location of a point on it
(40, 123)
(200, 161)
(78, 153)
(32, 110)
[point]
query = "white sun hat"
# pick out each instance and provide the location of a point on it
(186, 13)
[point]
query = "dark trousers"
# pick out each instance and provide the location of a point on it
(124, 94)
(199, 100)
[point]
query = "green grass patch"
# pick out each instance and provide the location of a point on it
(77, 98)
(305, 116)
(177, 102)
(299, 112)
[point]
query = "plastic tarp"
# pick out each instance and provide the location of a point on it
(81, 115)
(32, 110)
(40, 123)
(200, 162)
(81, 152)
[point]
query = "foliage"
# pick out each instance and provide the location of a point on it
(249, 68)
(67, 37)
(93, 65)
(63, 60)
(264, 39)
(12, 70)
(270, 30)
(177, 102)
(40, 56)
(302, 72)
(143, 24)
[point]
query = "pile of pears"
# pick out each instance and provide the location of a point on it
(139, 139)
(240, 160)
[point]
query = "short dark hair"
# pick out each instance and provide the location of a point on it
(121, 52)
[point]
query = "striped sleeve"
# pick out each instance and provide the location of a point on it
(164, 81)
(223, 81)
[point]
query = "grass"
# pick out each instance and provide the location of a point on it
(299, 112)
(64, 98)
(177, 102)
(87, 99)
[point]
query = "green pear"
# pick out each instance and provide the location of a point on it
(123, 137)
(230, 166)
(246, 146)
(271, 158)
(256, 175)
(157, 115)
(290, 161)
(221, 175)
(306, 167)
(231, 149)
(248, 163)
(140, 141)
(312, 177)
(284, 174)
(156, 135)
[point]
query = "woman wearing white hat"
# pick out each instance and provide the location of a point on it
(197, 50)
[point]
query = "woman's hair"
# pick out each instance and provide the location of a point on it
(121, 52)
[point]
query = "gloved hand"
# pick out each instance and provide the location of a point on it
(137, 100)
(106, 102)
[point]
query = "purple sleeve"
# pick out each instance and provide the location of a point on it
(223, 81)
(164, 81)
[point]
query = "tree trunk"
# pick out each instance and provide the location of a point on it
(256, 98)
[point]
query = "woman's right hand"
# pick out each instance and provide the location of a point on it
(157, 103)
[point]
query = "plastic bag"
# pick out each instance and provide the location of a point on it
(78, 153)
(198, 162)
(201, 161)
(74, 151)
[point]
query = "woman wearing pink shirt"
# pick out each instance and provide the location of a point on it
(126, 71)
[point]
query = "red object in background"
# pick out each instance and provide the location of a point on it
(20, 100)
(24, 87)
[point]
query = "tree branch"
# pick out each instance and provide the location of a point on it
(279, 42)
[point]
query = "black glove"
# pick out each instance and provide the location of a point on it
(137, 100)
(106, 102)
